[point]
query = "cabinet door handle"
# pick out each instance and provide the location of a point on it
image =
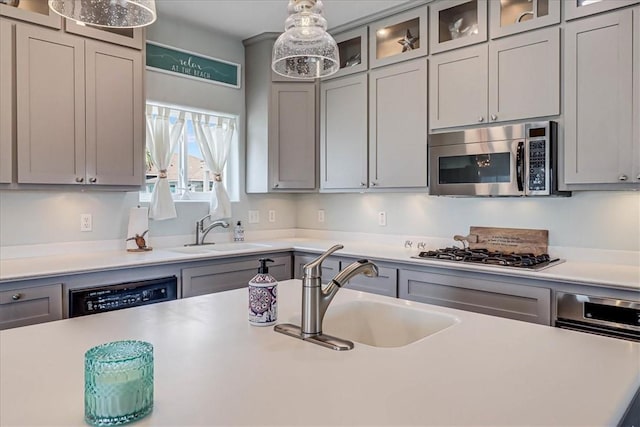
(494, 117)
(623, 177)
(93, 180)
(16, 297)
(79, 179)
(480, 119)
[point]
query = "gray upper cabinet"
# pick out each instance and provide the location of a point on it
(354, 54)
(34, 11)
(524, 76)
(602, 100)
(509, 79)
(7, 100)
(515, 16)
(79, 110)
(281, 125)
(398, 125)
(458, 87)
(581, 8)
(292, 135)
(457, 23)
(343, 133)
(399, 37)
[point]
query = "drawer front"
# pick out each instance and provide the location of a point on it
(385, 284)
(223, 277)
(28, 306)
(501, 299)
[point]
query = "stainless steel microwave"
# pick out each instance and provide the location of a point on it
(515, 160)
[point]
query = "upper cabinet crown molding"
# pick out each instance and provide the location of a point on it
(580, 8)
(34, 11)
(516, 16)
(457, 23)
(399, 37)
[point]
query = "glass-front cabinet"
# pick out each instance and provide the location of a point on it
(514, 16)
(131, 37)
(352, 46)
(579, 8)
(34, 11)
(457, 23)
(398, 37)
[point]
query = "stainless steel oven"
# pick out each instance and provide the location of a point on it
(515, 160)
(603, 316)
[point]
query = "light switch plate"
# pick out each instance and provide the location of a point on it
(254, 217)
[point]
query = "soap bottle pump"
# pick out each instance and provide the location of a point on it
(238, 232)
(263, 296)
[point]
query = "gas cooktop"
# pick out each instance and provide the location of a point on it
(490, 258)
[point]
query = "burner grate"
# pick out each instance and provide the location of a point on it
(485, 257)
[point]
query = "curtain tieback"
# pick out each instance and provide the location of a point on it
(163, 173)
(217, 177)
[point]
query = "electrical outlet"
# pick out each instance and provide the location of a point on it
(254, 217)
(320, 215)
(86, 222)
(272, 216)
(382, 218)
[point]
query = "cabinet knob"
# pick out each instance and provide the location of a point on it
(494, 117)
(79, 179)
(638, 177)
(623, 177)
(363, 184)
(480, 119)
(373, 183)
(276, 185)
(16, 297)
(93, 180)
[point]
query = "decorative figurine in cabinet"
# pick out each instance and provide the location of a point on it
(515, 16)
(398, 37)
(352, 46)
(456, 23)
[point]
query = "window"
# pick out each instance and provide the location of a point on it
(188, 175)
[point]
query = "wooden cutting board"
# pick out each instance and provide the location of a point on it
(518, 240)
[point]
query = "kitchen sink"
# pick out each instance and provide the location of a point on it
(218, 247)
(382, 325)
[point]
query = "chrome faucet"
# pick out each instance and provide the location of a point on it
(316, 300)
(202, 231)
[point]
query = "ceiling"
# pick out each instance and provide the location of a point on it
(247, 18)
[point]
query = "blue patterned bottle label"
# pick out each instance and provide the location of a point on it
(263, 301)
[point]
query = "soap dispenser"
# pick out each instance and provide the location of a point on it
(263, 296)
(238, 232)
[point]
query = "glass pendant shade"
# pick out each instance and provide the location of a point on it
(107, 13)
(305, 50)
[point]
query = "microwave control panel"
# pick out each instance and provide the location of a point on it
(538, 165)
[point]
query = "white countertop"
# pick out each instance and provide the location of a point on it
(213, 368)
(588, 273)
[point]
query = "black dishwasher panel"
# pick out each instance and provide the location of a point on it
(87, 301)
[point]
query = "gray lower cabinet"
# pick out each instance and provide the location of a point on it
(224, 276)
(330, 267)
(28, 306)
(385, 284)
(472, 292)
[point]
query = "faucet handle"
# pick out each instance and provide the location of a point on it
(312, 269)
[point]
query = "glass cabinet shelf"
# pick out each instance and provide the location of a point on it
(579, 8)
(514, 16)
(352, 46)
(457, 23)
(398, 37)
(34, 11)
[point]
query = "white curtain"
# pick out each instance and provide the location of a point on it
(214, 138)
(162, 140)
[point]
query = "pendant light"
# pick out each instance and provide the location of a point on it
(305, 50)
(107, 13)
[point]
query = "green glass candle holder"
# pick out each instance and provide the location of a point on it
(118, 382)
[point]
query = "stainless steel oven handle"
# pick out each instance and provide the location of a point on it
(520, 166)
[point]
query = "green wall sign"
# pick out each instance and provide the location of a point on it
(183, 63)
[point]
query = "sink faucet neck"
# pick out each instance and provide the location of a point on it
(202, 231)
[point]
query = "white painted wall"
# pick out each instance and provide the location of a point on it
(602, 220)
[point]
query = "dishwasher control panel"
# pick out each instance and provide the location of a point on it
(124, 295)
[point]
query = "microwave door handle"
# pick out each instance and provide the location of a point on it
(520, 166)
